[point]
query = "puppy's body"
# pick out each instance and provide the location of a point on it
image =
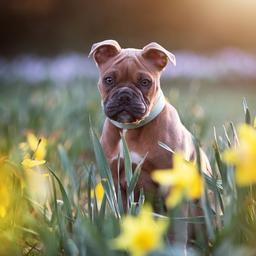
(166, 128)
(129, 84)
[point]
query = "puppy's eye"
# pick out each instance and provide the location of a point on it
(109, 80)
(145, 82)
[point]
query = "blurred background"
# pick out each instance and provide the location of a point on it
(47, 83)
(50, 27)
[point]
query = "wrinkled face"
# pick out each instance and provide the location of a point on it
(127, 89)
(129, 79)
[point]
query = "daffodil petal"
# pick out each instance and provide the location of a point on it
(163, 177)
(99, 192)
(174, 197)
(230, 156)
(40, 152)
(245, 175)
(38, 146)
(29, 163)
(2, 211)
(243, 156)
(183, 179)
(196, 188)
(247, 134)
(140, 235)
(32, 141)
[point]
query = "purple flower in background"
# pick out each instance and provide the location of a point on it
(67, 68)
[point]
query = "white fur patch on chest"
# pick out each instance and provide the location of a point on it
(135, 157)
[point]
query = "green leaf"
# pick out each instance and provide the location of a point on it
(141, 198)
(220, 164)
(101, 159)
(136, 176)
(163, 145)
(204, 200)
(68, 168)
(134, 181)
(119, 194)
(198, 155)
(192, 220)
(111, 199)
(226, 135)
(211, 184)
(71, 248)
(89, 200)
(246, 112)
(105, 173)
(128, 173)
(127, 161)
(63, 194)
(234, 133)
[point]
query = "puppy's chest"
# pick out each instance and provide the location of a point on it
(148, 151)
(136, 152)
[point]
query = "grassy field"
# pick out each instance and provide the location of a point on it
(65, 110)
(52, 208)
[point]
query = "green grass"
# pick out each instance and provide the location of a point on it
(66, 111)
(76, 225)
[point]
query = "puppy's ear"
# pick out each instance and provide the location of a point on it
(157, 55)
(105, 50)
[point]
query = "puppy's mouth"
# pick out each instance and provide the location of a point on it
(125, 106)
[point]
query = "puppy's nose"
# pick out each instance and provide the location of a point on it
(124, 97)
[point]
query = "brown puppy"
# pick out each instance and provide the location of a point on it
(129, 85)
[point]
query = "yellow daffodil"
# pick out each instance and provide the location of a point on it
(2, 160)
(183, 180)
(8, 188)
(38, 146)
(37, 181)
(99, 193)
(30, 163)
(142, 234)
(5, 199)
(243, 156)
(37, 184)
(5, 189)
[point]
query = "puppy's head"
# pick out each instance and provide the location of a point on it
(129, 78)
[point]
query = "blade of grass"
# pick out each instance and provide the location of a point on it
(105, 173)
(136, 175)
(95, 205)
(103, 208)
(128, 171)
(127, 161)
(111, 202)
(226, 135)
(101, 159)
(204, 200)
(220, 164)
(89, 200)
(119, 194)
(211, 184)
(161, 144)
(134, 181)
(63, 194)
(141, 198)
(67, 167)
(246, 112)
(234, 133)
